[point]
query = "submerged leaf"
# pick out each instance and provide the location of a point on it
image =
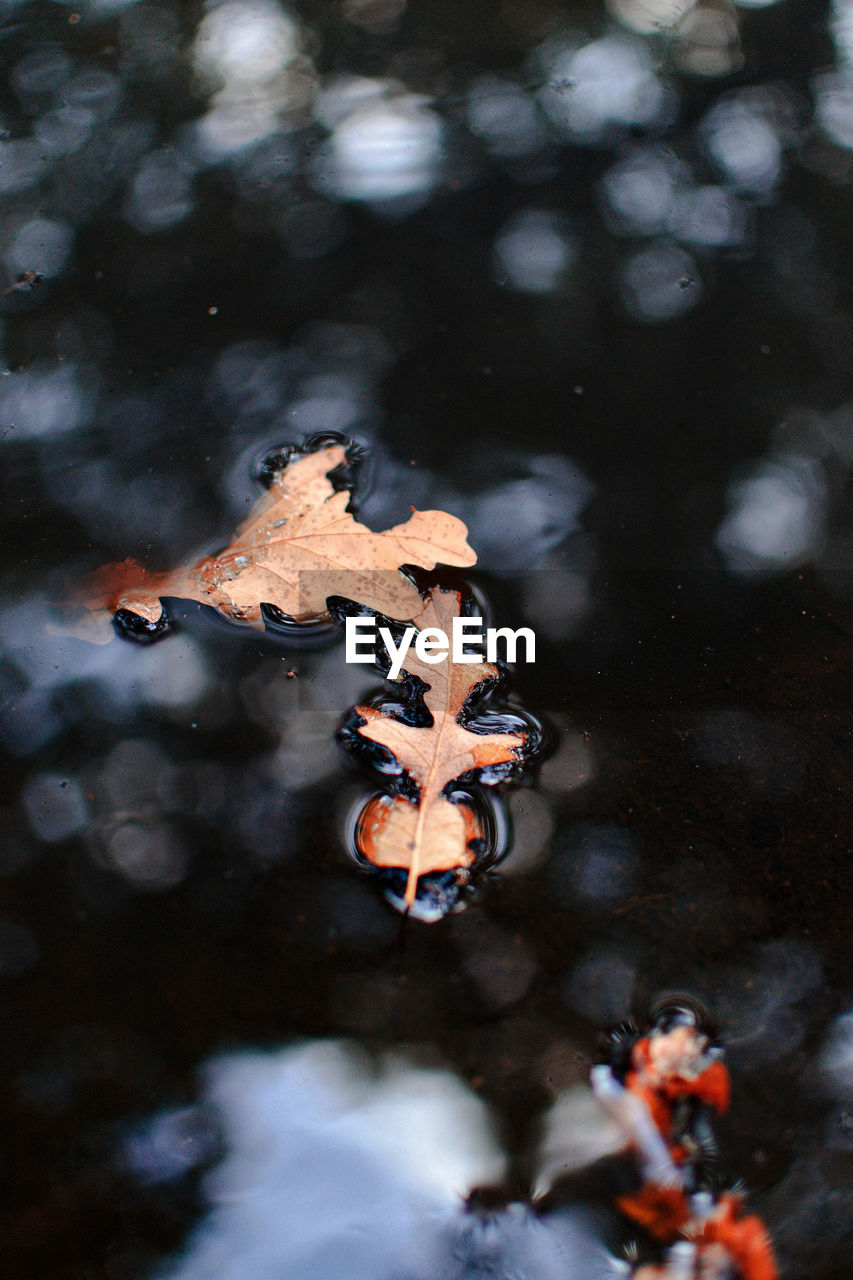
(298, 547)
(433, 834)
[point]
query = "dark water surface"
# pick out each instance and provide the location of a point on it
(582, 277)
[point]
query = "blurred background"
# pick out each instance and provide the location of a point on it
(581, 276)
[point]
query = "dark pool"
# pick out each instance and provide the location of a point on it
(582, 277)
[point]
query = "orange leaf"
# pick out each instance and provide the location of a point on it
(434, 834)
(745, 1238)
(298, 546)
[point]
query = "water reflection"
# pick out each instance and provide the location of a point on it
(604, 85)
(546, 499)
(711, 217)
(251, 52)
(160, 195)
(598, 864)
(834, 94)
(837, 1060)
(44, 401)
(331, 1168)
(379, 17)
(170, 1145)
(575, 1132)
(337, 1166)
(41, 245)
(385, 144)
(769, 1006)
(649, 16)
(744, 145)
(534, 251)
(707, 40)
(55, 806)
(776, 518)
(505, 117)
(639, 191)
(660, 283)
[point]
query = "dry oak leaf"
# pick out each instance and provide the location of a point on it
(434, 834)
(298, 546)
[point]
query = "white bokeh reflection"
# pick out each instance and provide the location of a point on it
(767, 1007)
(267, 396)
(532, 828)
(40, 76)
(22, 165)
(639, 191)
(650, 191)
(29, 720)
(151, 856)
(744, 135)
(497, 962)
(379, 17)
(133, 497)
(303, 713)
(168, 1145)
(841, 26)
(534, 251)
(331, 1169)
(98, 10)
(707, 41)
(575, 1132)
(777, 516)
(648, 16)
(64, 131)
(504, 117)
(821, 436)
(160, 196)
(833, 92)
(546, 504)
(55, 806)
(659, 283)
(263, 175)
(336, 1167)
(605, 864)
(251, 53)
(604, 84)
(95, 90)
(711, 217)
(136, 775)
(134, 833)
(837, 1057)
(42, 245)
(251, 379)
(246, 41)
(43, 400)
(118, 677)
(328, 402)
(385, 147)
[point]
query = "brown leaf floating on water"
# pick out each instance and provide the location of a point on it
(298, 546)
(433, 834)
